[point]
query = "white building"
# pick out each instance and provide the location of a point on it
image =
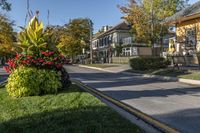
(107, 44)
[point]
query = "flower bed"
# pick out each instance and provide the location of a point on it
(43, 60)
(37, 69)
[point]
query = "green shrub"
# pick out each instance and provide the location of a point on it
(29, 81)
(149, 63)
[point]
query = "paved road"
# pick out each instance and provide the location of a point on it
(3, 74)
(173, 103)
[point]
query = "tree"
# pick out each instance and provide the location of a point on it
(73, 36)
(146, 17)
(69, 46)
(6, 35)
(5, 5)
(79, 28)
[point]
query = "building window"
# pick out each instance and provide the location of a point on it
(128, 40)
(190, 37)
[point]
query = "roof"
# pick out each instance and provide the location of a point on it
(185, 14)
(121, 26)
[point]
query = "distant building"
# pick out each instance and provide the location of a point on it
(113, 42)
(107, 44)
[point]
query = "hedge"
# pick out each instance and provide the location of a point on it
(148, 63)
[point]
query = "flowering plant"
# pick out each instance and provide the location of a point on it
(44, 59)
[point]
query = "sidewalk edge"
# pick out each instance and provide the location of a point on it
(165, 78)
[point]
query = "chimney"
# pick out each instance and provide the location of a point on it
(105, 28)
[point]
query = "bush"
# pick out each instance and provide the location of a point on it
(29, 81)
(150, 63)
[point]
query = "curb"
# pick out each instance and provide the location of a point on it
(140, 115)
(165, 78)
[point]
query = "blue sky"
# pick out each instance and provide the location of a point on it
(102, 12)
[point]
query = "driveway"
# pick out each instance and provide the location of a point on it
(175, 104)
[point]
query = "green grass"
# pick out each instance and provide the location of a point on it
(101, 65)
(70, 111)
(186, 74)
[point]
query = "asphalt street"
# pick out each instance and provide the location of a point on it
(173, 103)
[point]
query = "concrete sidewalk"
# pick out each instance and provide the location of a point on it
(122, 68)
(173, 103)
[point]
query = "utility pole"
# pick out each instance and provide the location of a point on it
(48, 17)
(91, 51)
(28, 10)
(152, 27)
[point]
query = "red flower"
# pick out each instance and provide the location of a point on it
(7, 68)
(12, 63)
(34, 61)
(26, 62)
(29, 57)
(41, 60)
(45, 53)
(49, 63)
(18, 56)
(55, 59)
(59, 66)
(51, 53)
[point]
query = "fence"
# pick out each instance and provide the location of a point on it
(141, 52)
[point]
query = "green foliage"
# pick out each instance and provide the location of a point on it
(79, 28)
(150, 63)
(32, 37)
(75, 36)
(6, 35)
(146, 17)
(29, 81)
(69, 46)
(52, 35)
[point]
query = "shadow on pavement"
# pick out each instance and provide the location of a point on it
(125, 94)
(189, 118)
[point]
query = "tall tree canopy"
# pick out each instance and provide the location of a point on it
(5, 5)
(74, 36)
(146, 17)
(6, 35)
(80, 29)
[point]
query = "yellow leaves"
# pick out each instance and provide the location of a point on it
(32, 36)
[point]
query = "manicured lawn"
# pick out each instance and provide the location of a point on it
(70, 111)
(187, 74)
(101, 65)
